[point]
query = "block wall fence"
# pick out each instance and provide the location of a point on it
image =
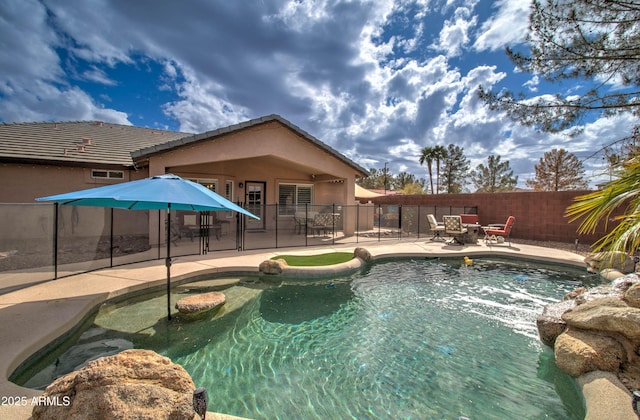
(539, 215)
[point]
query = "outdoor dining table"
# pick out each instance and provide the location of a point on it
(472, 235)
(303, 220)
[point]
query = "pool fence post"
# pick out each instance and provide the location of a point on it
(306, 224)
(333, 223)
(379, 220)
(418, 223)
(400, 221)
(56, 214)
(111, 240)
(159, 233)
(357, 222)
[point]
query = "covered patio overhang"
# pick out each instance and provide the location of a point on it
(257, 159)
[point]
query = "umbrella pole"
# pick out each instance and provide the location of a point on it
(168, 262)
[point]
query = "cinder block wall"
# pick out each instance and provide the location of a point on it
(539, 215)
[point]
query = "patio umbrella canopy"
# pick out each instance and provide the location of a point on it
(168, 192)
(365, 193)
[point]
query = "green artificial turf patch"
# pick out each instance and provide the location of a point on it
(315, 260)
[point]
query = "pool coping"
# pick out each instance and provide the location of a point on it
(33, 317)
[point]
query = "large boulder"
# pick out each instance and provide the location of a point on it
(575, 293)
(632, 295)
(578, 352)
(138, 384)
(609, 274)
(610, 315)
(198, 304)
(363, 254)
(618, 261)
(272, 266)
(550, 324)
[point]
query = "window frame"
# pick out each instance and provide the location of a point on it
(228, 194)
(109, 174)
(289, 209)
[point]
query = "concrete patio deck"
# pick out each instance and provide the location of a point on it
(32, 317)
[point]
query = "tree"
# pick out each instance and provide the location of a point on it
(439, 154)
(412, 189)
(426, 156)
(582, 39)
(613, 160)
(495, 177)
(404, 178)
(599, 205)
(375, 180)
(455, 169)
(558, 170)
(370, 181)
(378, 179)
(597, 41)
(388, 181)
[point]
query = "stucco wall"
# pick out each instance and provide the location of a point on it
(269, 153)
(23, 183)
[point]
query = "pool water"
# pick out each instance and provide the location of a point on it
(403, 339)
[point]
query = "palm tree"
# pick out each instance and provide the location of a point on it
(599, 205)
(427, 156)
(439, 153)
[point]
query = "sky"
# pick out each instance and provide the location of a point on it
(377, 80)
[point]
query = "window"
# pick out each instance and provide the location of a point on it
(290, 196)
(212, 184)
(228, 194)
(104, 174)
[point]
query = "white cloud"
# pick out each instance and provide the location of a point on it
(34, 87)
(405, 147)
(27, 52)
(360, 75)
(203, 105)
(532, 84)
(454, 35)
(97, 75)
(45, 102)
(507, 26)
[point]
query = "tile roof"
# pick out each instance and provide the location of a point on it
(79, 142)
(96, 142)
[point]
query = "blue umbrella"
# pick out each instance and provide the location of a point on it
(168, 192)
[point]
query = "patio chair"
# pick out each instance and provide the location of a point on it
(469, 219)
(321, 222)
(436, 227)
(491, 233)
(300, 221)
(453, 226)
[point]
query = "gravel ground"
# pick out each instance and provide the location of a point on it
(582, 249)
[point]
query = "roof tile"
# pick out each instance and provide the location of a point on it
(97, 142)
(78, 141)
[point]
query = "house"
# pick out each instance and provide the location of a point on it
(261, 162)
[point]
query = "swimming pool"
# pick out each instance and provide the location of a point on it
(401, 339)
